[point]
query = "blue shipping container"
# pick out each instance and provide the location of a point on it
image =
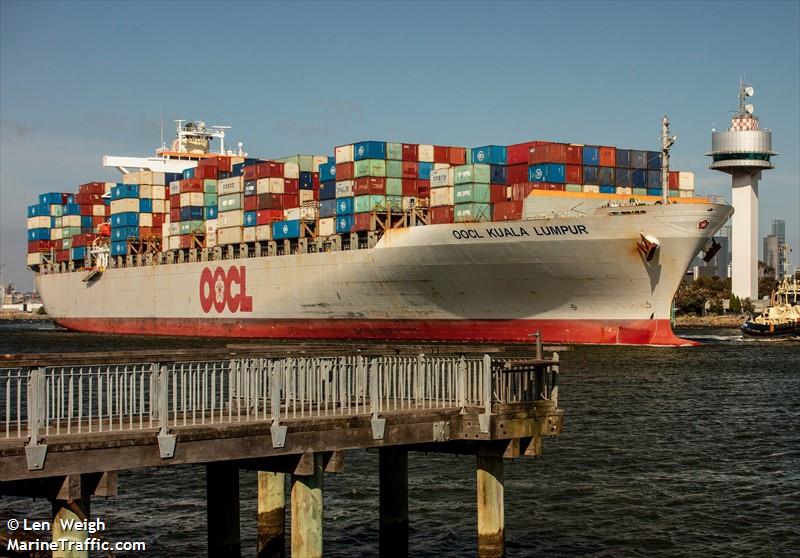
(546, 172)
(497, 174)
(145, 205)
(306, 181)
(654, 179)
(79, 253)
(237, 169)
(327, 208)
(654, 191)
(327, 172)
(171, 177)
(327, 190)
(624, 158)
(638, 159)
(38, 234)
(605, 176)
(123, 233)
(639, 178)
(590, 175)
(211, 212)
(424, 170)
(250, 187)
(285, 229)
(128, 219)
(623, 178)
(72, 209)
(489, 155)
(120, 191)
(607, 189)
(51, 198)
(344, 224)
(344, 206)
(191, 213)
(86, 222)
(188, 173)
(654, 160)
(38, 210)
(119, 248)
(591, 155)
(369, 150)
(249, 218)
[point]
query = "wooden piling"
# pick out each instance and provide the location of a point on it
(307, 511)
(393, 465)
(491, 540)
(271, 515)
(69, 510)
(222, 485)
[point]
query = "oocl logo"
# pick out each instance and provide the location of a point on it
(538, 173)
(333, 170)
(481, 155)
(360, 150)
(220, 289)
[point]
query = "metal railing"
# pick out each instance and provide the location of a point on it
(73, 400)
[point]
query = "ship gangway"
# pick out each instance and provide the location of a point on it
(67, 429)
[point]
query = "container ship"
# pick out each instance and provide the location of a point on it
(382, 240)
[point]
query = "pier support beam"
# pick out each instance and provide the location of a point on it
(222, 485)
(271, 515)
(491, 540)
(393, 465)
(307, 511)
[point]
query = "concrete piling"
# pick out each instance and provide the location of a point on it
(306, 528)
(491, 539)
(393, 481)
(271, 515)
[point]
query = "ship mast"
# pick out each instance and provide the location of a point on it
(666, 143)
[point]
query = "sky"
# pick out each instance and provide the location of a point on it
(79, 80)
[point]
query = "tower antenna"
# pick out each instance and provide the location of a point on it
(666, 143)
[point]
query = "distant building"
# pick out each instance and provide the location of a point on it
(772, 251)
(720, 264)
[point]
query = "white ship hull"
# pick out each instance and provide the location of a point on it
(577, 280)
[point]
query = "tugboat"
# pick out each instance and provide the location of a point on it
(782, 316)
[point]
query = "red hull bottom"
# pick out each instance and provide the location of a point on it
(602, 332)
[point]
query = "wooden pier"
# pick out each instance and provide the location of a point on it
(67, 429)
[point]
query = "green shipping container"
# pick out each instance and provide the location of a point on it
(573, 188)
(466, 193)
(395, 203)
(370, 167)
(472, 212)
(189, 227)
(365, 204)
(69, 232)
(210, 186)
(66, 243)
(394, 186)
(304, 162)
(210, 200)
(464, 174)
(673, 193)
(56, 210)
(640, 191)
(229, 202)
(394, 169)
(394, 151)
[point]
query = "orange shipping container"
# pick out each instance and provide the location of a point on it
(608, 156)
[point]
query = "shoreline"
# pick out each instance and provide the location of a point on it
(731, 321)
(23, 316)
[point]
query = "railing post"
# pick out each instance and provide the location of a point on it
(462, 384)
(486, 373)
(35, 452)
(166, 441)
(378, 424)
(277, 432)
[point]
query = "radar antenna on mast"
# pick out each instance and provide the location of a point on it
(667, 142)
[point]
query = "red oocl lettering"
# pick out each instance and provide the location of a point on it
(220, 289)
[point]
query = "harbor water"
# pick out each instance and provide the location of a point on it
(665, 452)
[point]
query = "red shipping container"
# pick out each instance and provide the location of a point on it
(410, 170)
(175, 201)
(508, 211)
(97, 220)
(548, 153)
(224, 164)
(409, 152)
(250, 203)
(673, 180)
(98, 188)
(267, 216)
(575, 154)
(441, 214)
(517, 154)
(362, 222)
(497, 193)
(344, 171)
(78, 240)
(520, 191)
(158, 219)
(39, 246)
(315, 181)
(62, 255)
(88, 198)
(270, 201)
(57, 244)
(175, 214)
(86, 210)
(251, 172)
(290, 200)
(207, 162)
(517, 173)
(554, 186)
(574, 174)
(369, 185)
(205, 172)
(272, 169)
(409, 186)
(441, 154)
(187, 241)
(458, 155)
(291, 185)
(191, 185)
(423, 188)
(608, 156)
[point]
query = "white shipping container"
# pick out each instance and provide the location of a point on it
(264, 232)
(145, 177)
(41, 222)
(211, 239)
(344, 188)
(174, 242)
(344, 153)
(233, 218)
(71, 221)
(306, 195)
(276, 185)
(56, 234)
(130, 178)
(165, 230)
(145, 219)
(249, 234)
(317, 161)
(685, 180)
(425, 153)
(440, 166)
(262, 186)
(35, 258)
(686, 193)
(99, 210)
(442, 196)
(309, 212)
(109, 185)
(291, 170)
(291, 214)
(194, 199)
(125, 205)
(230, 235)
(441, 177)
(159, 192)
(145, 191)
(230, 185)
(174, 187)
(410, 202)
(158, 179)
(624, 190)
(327, 226)
(159, 206)
(591, 188)
(174, 229)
